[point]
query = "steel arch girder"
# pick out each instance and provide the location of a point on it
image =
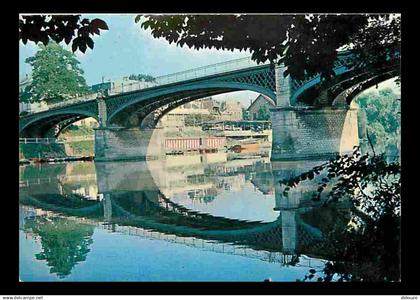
(235, 86)
(25, 122)
(347, 83)
(161, 101)
(312, 82)
(339, 71)
(358, 88)
(178, 102)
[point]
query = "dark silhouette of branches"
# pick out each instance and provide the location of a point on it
(307, 44)
(368, 247)
(67, 28)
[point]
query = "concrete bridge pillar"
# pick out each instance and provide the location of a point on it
(291, 201)
(102, 114)
(301, 133)
(289, 231)
(284, 170)
(118, 143)
(283, 87)
(107, 204)
(309, 133)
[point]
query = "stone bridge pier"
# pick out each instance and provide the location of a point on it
(120, 143)
(307, 132)
(297, 200)
(107, 206)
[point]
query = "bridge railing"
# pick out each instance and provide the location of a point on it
(204, 71)
(78, 99)
(209, 70)
(214, 69)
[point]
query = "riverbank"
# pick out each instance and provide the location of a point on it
(78, 145)
(55, 152)
(57, 159)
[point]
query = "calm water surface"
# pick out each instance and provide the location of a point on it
(183, 218)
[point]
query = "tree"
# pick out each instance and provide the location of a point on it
(56, 75)
(70, 28)
(245, 114)
(263, 113)
(197, 119)
(307, 44)
(383, 116)
(64, 242)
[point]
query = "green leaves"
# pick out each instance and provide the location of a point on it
(306, 44)
(349, 176)
(56, 75)
(137, 18)
(383, 119)
(263, 113)
(67, 28)
(65, 243)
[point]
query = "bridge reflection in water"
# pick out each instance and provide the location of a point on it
(202, 201)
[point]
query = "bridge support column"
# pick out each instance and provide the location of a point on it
(116, 143)
(291, 201)
(102, 113)
(300, 133)
(283, 87)
(289, 231)
(284, 170)
(106, 202)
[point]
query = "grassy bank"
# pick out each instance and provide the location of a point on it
(80, 148)
(28, 151)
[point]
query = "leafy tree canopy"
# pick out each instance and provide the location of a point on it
(197, 119)
(245, 114)
(307, 44)
(64, 243)
(263, 114)
(70, 28)
(56, 75)
(383, 116)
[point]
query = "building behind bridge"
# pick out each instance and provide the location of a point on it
(231, 111)
(260, 104)
(202, 110)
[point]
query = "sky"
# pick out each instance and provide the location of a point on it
(127, 49)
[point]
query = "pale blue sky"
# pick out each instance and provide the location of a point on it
(127, 49)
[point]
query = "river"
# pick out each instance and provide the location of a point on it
(201, 217)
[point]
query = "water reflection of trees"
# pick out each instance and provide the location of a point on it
(64, 242)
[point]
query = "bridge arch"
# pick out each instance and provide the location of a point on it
(348, 95)
(167, 95)
(346, 79)
(39, 125)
